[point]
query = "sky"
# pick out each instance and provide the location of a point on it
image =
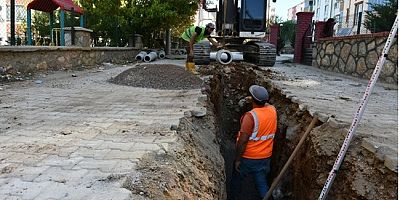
(282, 7)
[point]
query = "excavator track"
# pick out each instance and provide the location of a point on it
(260, 53)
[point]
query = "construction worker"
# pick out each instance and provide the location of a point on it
(254, 142)
(196, 34)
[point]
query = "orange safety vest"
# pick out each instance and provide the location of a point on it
(261, 140)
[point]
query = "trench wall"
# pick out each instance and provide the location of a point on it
(29, 59)
(357, 56)
(361, 176)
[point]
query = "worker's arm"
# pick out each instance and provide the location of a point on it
(240, 147)
(213, 42)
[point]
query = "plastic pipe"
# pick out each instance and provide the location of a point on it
(150, 57)
(225, 57)
(140, 56)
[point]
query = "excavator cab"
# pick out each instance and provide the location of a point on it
(252, 18)
(242, 25)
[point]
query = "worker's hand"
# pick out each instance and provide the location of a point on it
(237, 165)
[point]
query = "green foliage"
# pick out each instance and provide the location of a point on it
(382, 16)
(288, 32)
(40, 25)
(117, 21)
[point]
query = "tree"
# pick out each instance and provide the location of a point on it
(382, 16)
(287, 33)
(117, 21)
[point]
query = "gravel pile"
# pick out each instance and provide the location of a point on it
(166, 77)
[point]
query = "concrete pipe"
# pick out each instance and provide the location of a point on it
(161, 54)
(140, 56)
(150, 57)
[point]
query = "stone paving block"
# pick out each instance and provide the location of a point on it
(4, 155)
(57, 161)
(6, 197)
(25, 158)
(108, 136)
(144, 139)
(145, 146)
(101, 165)
(166, 139)
(124, 166)
(103, 125)
(23, 189)
(115, 145)
(86, 143)
(95, 175)
(66, 151)
(117, 194)
(165, 146)
(391, 162)
(5, 138)
(59, 175)
(7, 169)
(90, 153)
(55, 191)
(30, 173)
(24, 139)
(117, 154)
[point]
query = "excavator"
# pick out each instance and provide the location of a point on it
(241, 26)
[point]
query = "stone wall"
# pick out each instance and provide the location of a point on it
(29, 59)
(357, 56)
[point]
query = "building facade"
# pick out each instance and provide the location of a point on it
(349, 15)
(291, 15)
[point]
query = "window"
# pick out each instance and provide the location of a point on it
(20, 13)
(326, 10)
(357, 12)
(253, 15)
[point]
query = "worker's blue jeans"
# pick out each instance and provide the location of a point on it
(258, 168)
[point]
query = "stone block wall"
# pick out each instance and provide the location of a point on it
(357, 56)
(29, 59)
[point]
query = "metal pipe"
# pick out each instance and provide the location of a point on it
(150, 57)
(140, 56)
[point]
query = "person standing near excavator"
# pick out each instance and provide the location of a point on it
(196, 34)
(254, 142)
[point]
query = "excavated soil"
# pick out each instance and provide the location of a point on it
(165, 77)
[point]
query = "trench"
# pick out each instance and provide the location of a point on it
(199, 164)
(228, 87)
(361, 175)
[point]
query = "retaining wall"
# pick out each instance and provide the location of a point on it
(29, 59)
(357, 56)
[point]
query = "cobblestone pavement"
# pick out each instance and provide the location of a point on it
(337, 97)
(69, 135)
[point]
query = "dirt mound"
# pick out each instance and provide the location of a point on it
(165, 77)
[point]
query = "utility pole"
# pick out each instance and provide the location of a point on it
(12, 22)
